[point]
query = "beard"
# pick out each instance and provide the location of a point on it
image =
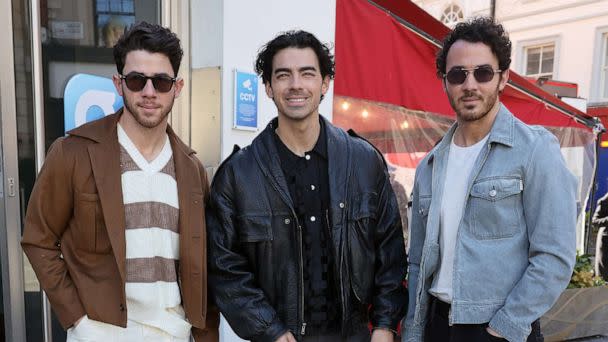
(469, 113)
(142, 119)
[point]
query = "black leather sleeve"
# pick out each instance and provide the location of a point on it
(231, 281)
(390, 296)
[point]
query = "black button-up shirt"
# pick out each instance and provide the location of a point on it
(308, 182)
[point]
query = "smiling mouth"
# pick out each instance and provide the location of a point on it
(298, 100)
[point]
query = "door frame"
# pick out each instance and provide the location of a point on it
(11, 254)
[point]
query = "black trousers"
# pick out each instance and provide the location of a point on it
(437, 328)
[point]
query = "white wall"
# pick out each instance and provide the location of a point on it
(247, 25)
(575, 30)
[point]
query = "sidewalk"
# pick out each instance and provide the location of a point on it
(593, 339)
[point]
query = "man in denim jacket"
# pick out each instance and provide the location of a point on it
(494, 209)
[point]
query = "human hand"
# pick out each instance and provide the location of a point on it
(493, 333)
(382, 335)
(286, 337)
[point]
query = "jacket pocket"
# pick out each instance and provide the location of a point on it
(254, 228)
(496, 207)
(361, 248)
(92, 234)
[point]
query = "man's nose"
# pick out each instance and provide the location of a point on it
(296, 82)
(470, 82)
(149, 89)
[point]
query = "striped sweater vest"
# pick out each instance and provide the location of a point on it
(152, 238)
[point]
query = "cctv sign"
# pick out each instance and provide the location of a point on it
(245, 101)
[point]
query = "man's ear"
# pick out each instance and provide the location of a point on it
(269, 91)
(117, 84)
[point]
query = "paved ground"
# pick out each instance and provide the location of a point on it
(593, 339)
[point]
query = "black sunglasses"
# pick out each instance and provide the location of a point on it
(482, 74)
(137, 82)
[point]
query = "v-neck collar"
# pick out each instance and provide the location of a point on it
(153, 166)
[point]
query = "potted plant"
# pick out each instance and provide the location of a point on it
(582, 309)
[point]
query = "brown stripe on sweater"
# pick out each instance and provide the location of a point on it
(126, 162)
(150, 270)
(169, 168)
(152, 214)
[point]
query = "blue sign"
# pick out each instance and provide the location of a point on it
(87, 98)
(245, 101)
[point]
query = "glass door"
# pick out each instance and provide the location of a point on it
(54, 41)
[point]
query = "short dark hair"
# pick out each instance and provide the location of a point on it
(151, 38)
(477, 30)
(298, 39)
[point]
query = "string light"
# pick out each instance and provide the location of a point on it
(345, 105)
(365, 113)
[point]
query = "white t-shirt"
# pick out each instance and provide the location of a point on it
(460, 164)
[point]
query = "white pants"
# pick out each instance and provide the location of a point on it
(89, 330)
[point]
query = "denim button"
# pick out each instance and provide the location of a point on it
(492, 193)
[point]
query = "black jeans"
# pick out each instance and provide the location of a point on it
(437, 328)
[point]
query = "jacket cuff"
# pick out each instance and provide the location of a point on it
(510, 330)
(411, 333)
(206, 335)
(273, 332)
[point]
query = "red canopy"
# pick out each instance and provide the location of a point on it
(385, 52)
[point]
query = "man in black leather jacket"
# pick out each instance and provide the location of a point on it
(305, 238)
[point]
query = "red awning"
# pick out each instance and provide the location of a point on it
(379, 58)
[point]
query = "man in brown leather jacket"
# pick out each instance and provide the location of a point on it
(115, 226)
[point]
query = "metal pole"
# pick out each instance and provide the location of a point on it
(493, 9)
(40, 146)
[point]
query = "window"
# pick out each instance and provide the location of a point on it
(452, 15)
(604, 68)
(539, 60)
(112, 16)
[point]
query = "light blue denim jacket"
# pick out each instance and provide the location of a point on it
(516, 243)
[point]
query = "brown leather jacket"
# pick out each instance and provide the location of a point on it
(74, 231)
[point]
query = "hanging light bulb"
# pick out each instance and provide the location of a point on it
(365, 113)
(345, 105)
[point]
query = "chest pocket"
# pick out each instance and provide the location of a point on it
(254, 228)
(91, 234)
(361, 247)
(496, 207)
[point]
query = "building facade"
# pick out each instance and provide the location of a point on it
(46, 43)
(563, 40)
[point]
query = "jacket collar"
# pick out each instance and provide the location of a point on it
(338, 157)
(102, 131)
(501, 132)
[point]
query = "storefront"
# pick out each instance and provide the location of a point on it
(45, 43)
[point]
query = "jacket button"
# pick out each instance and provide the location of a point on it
(341, 205)
(287, 221)
(492, 193)
(122, 307)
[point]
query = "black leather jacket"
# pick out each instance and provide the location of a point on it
(255, 239)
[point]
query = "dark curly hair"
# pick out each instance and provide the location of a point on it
(477, 30)
(151, 38)
(298, 39)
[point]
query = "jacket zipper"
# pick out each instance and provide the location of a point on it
(301, 269)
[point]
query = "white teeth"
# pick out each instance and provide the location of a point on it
(296, 100)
